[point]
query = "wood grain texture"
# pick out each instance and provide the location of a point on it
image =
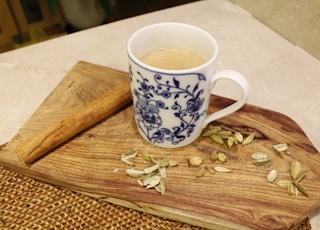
(90, 162)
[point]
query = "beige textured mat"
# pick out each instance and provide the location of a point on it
(26, 203)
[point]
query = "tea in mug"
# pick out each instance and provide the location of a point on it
(172, 59)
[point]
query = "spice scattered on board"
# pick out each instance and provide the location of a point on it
(196, 161)
(229, 136)
(293, 186)
(260, 158)
(296, 173)
(151, 177)
(154, 175)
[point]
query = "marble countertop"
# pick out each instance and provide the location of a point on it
(283, 77)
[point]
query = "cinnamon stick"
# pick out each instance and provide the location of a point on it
(59, 132)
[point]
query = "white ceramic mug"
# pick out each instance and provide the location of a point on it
(171, 105)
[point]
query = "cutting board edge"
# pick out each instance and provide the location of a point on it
(171, 213)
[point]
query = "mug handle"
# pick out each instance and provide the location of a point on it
(244, 85)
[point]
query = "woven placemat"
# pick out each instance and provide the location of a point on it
(26, 203)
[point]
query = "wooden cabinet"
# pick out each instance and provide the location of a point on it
(24, 22)
(7, 27)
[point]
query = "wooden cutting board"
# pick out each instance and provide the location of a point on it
(242, 199)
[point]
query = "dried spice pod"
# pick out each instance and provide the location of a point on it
(173, 163)
(301, 175)
(224, 134)
(222, 157)
(151, 169)
(127, 161)
(130, 154)
(238, 136)
(164, 163)
(272, 175)
(147, 177)
(147, 157)
(195, 161)
(162, 186)
(221, 169)
(291, 189)
(216, 138)
(152, 182)
(295, 169)
(211, 171)
(280, 148)
(259, 156)
(229, 136)
(214, 156)
(301, 188)
(163, 172)
(230, 142)
(262, 162)
(212, 130)
(201, 172)
(248, 139)
(134, 172)
(283, 183)
(125, 158)
(152, 176)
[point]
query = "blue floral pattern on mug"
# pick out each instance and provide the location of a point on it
(163, 95)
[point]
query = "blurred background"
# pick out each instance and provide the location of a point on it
(25, 22)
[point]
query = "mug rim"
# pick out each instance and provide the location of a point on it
(179, 71)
